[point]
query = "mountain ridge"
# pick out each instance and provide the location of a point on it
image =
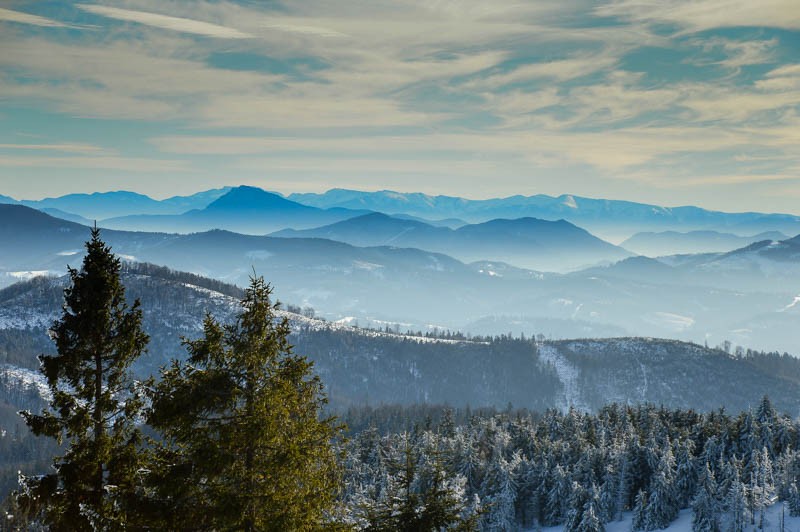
(662, 243)
(428, 290)
(613, 219)
(524, 242)
(242, 209)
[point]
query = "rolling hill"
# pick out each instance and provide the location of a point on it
(674, 243)
(101, 205)
(525, 242)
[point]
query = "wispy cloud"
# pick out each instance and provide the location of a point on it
(654, 93)
(785, 78)
(8, 15)
(128, 164)
(739, 53)
(611, 151)
(185, 25)
(65, 147)
(306, 30)
(698, 15)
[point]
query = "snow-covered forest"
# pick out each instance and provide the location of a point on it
(576, 471)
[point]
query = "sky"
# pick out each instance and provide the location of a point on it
(669, 102)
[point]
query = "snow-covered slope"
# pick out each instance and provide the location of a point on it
(568, 374)
(377, 366)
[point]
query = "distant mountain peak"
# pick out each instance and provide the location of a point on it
(249, 198)
(374, 216)
(528, 221)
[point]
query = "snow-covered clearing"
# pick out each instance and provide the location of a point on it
(28, 275)
(300, 322)
(25, 377)
(22, 317)
(568, 375)
(684, 522)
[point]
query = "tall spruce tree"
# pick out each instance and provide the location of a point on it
(94, 405)
(244, 444)
(706, 505)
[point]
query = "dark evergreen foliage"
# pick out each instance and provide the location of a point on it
(244, 447)
(94, 406)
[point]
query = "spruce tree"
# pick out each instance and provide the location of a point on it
(94, 405)
(662, 507)
(706, 504)
(590, 521)
(737, 505)
(586, 519)
(640, 512)
(244, 444)
(794, 500)
(416, 504)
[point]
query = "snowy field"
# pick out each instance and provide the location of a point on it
(684, 522)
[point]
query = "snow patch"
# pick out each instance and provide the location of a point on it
(436, 266)
(772, 519)
(369, 266)
(568, 375)
(300, 323)
(791, 305)
(26, 378)
(28, 275)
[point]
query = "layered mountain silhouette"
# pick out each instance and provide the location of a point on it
(242, 209)
(674, 243)
(102, 205)
(355, 279)
(608, 218)
(58, 213)
(694, 297)
(526, 242)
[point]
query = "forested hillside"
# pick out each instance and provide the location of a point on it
(366, 366)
